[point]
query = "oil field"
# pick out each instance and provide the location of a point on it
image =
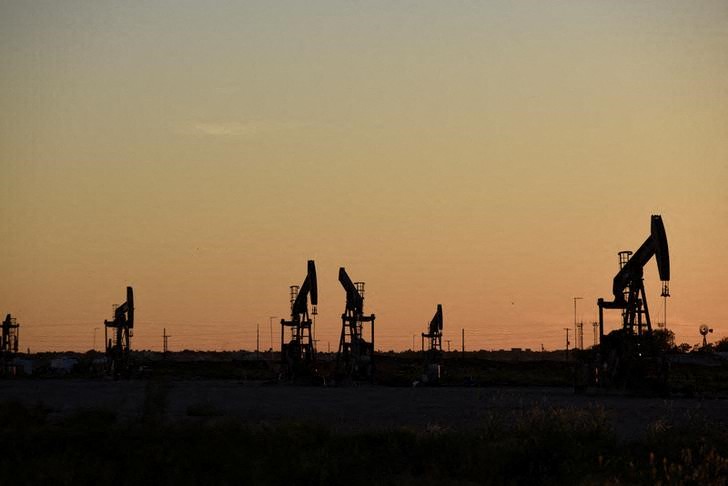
(495, 417)
(632, 408)
(363, 243)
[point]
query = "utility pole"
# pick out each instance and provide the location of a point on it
(567, 342)
(576, 332)
(595, 325)
(270, 321)
(165, 341)
(448, 345)
(579, 338)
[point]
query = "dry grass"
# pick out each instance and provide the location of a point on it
(538, 445)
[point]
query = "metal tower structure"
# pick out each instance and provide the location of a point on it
(9, 340)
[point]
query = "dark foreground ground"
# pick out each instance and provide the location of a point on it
(73, 431)
(346, 408)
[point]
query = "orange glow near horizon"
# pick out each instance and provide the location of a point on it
(490, 158)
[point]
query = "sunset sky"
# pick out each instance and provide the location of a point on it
(492, 157)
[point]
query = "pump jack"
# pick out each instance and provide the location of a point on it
(628, 286)
(121, 329)
(629, 356)
(433, 348)
(8, 344)
(355, 358)
(298, 355)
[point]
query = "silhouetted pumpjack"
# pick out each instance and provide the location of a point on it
(629, 356)
(432, 347)
(355, 358)
(9, 344)
(298, 355)
(628, 286)
(121, 328)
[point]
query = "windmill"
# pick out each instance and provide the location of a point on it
(704, 331)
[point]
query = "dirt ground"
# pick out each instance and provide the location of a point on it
(362, 406)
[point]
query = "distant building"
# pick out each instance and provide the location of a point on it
(63, 365)
(23, 365)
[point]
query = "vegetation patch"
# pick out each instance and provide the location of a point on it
(203, 409)
(532, 446)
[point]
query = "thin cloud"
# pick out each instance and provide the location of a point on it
(242, 129)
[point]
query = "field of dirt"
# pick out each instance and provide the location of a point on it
(347, 407)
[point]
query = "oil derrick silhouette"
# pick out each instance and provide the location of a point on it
(629, 356)
(298, 354)
(355, 358)
(9, 341)
(432, 348)
(117, 334)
